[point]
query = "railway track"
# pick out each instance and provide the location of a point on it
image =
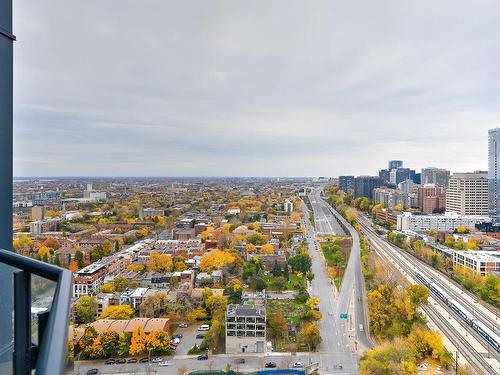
(461, 343)
(424, 268)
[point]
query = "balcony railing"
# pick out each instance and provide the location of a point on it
(49, 356)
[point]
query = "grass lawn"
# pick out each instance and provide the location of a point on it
(294, 283)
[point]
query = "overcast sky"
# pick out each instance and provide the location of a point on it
(253, 88)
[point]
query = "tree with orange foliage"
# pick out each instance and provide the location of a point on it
(138, 341)
(72, 266)
(251, 248)
(295, 216)
(267, 249)
(52, 242)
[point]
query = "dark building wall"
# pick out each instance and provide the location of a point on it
(364, 185)
(6, 62)
(346, 182)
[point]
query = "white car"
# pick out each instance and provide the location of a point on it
(157, 360)
(204, 327)
(183, 325)
(164, 364)
(298, 365)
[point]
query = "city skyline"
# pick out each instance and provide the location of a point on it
(225, 90)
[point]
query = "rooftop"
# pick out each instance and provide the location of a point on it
(246, 310)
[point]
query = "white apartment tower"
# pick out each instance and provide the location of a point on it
(467, 193)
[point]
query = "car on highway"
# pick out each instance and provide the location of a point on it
(132, 360)
(298, 365)
(120, 361)
(109, 362)
(200, 336)
(183, 325)
(271, 365)
(202, 357)
(93, 371)
(361, 328)
(157, 360)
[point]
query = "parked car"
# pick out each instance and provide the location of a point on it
(239, 360)
(157, 360)
(203, 357)
(183, 325)
(204, 327)
(177, 336)
(164, 364)
(200, 336)
(120, 360)
(144, 360)
(93, 371)
(298, 365)
(132, 360)
(110, 361)
(271, 365)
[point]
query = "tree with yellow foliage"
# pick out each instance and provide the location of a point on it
(215, 260)
(157, 342)
(310, 335)
(216, 303)
(135, 267)
(117, 312)
(267, 249)
(197, 314)
(159, 262)
(44, 252)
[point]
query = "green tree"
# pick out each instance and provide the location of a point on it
(109, 341)
(123, 344)
(79, 258)
(120, 283)
(300, 263)
(86, 309)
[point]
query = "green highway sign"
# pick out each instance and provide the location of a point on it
(343, 316)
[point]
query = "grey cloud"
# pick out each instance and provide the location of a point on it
(253, 88)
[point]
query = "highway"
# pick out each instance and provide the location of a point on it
(336, 348)
(470, 345)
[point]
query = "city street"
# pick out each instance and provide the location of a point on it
(336, 348)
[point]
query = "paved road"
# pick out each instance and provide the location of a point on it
(253, 362)
(325, 224)
(336, 349)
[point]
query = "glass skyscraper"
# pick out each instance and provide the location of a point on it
(494, 173)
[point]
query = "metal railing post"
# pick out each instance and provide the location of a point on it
(22, 323)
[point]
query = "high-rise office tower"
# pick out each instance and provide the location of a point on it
(346, 182)
(395, 164)
(364, 185)
(494, 174)
(436, 176)
(468, 193)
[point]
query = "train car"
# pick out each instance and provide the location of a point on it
(424, 280)
(487, 334)
(461, 311)
(439, 292)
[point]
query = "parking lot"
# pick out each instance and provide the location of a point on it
(188, 339)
